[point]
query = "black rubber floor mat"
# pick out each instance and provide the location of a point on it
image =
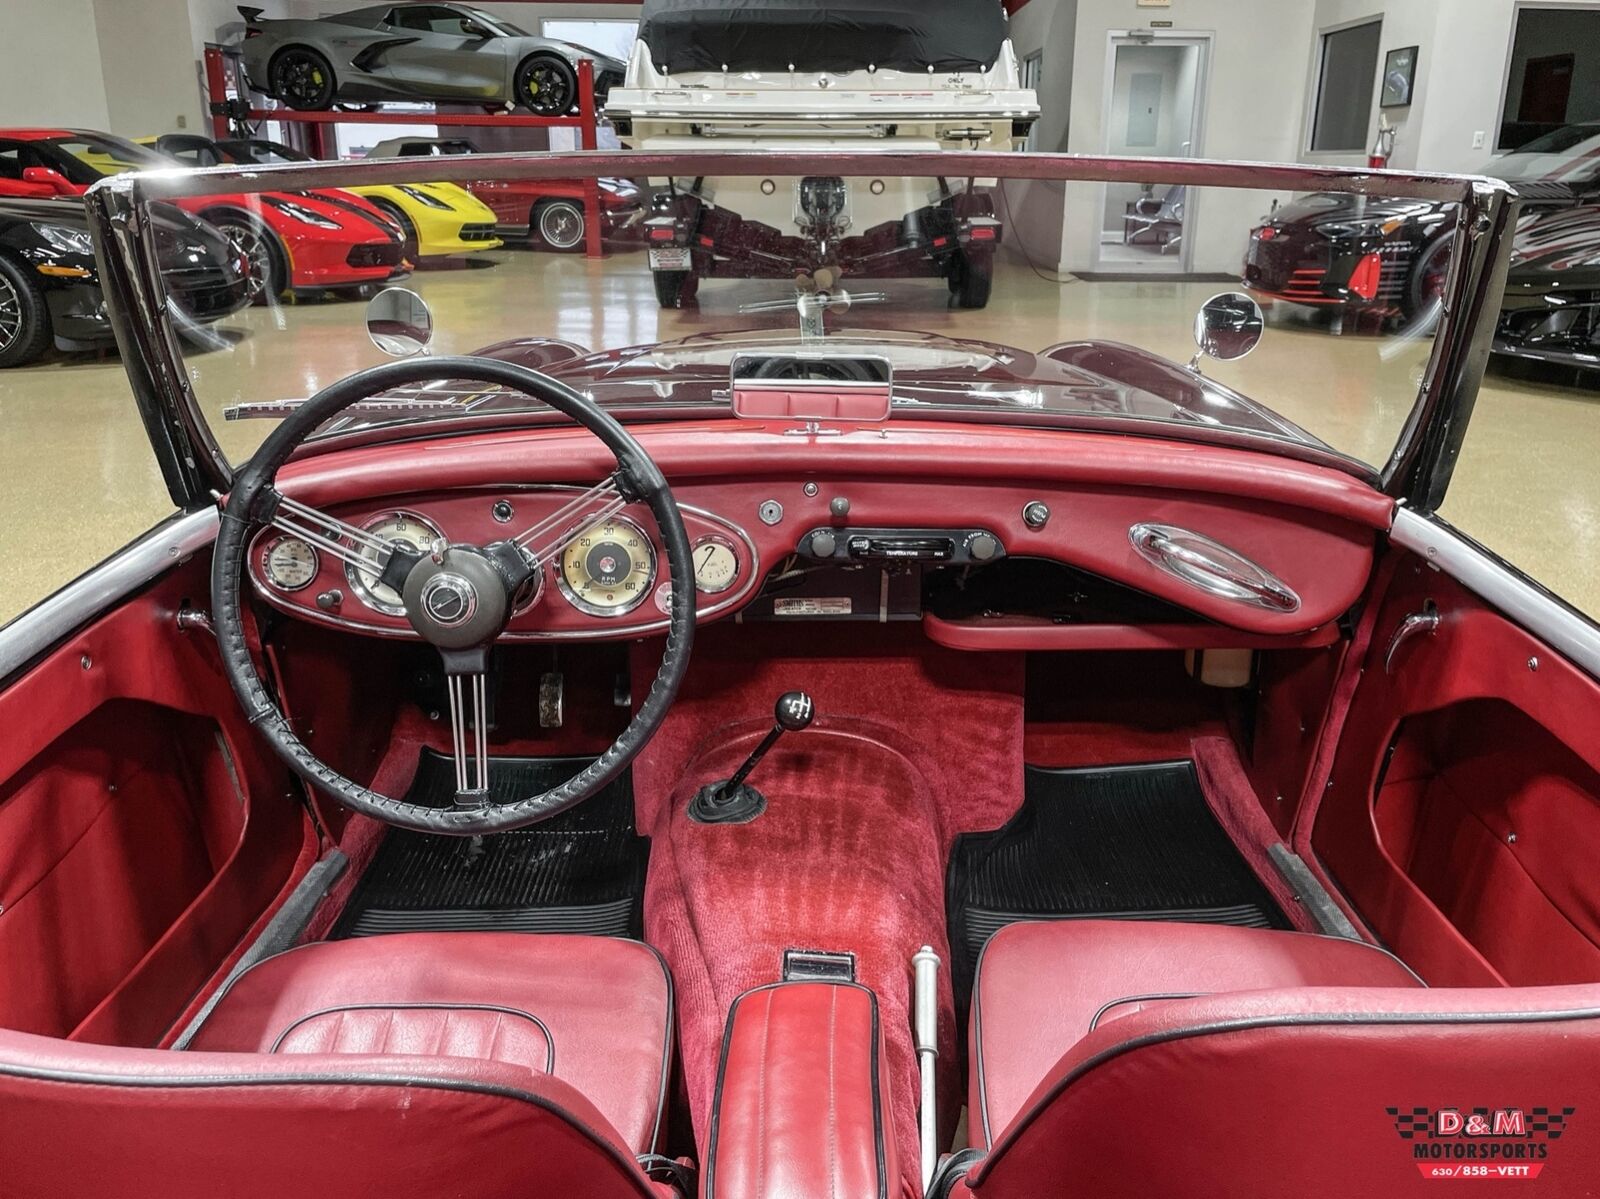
(1117, 842)
(580, 872)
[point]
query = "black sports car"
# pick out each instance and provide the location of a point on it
(50, 285)
(1389, 257)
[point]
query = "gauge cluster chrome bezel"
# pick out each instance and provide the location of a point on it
(357, 619)
(604, 613)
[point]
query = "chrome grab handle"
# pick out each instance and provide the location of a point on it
(1212, 567)
(1426, 621)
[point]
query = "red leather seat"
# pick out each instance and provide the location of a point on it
(1116, 1059)
(1043, 987)
(424, 1064)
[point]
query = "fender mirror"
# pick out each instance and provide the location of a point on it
(1228, 326)
(399, 322)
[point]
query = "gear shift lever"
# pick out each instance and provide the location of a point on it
(734, 801)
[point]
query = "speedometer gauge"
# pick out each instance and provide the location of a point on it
(609, 569)
(399, 528)
(289, 563)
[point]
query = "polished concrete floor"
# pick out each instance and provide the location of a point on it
(77, 479)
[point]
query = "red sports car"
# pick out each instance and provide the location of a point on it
(301, 241)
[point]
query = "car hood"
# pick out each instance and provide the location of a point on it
(1318, 208)
(932, 373)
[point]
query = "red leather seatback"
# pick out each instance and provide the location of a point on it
(82, 1120)
(1289, 1093)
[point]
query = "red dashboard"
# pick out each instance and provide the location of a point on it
(753, 498)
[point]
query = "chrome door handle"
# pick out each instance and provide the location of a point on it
(1212, 567)
(1426, 621)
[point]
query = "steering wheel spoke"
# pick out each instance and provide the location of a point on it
(335, 537)
(566, 524)
(469, 729)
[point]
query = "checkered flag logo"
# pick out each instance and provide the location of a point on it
(1549, 1122)
(1411, 1122)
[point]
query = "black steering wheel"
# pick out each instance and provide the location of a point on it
(457, 597)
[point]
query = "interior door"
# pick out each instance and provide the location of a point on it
(1154, 103)
(443, 56)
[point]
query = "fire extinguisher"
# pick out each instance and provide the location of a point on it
(1384, 146)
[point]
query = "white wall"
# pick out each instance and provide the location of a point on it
(1049, 27)
(1254, 108)
(50, 65)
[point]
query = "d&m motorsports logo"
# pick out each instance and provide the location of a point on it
(1480, 1142)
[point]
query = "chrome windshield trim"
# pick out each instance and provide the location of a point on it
(53, 620)
(145, 186)
(1564, 629)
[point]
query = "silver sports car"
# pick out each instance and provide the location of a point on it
(444, 52)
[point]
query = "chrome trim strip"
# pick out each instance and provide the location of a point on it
(86, 597)
(1565, 630)
(143, 186)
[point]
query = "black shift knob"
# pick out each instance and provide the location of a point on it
(794, 711)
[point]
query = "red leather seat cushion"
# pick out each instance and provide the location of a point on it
(596, 1012)
(1042, 987)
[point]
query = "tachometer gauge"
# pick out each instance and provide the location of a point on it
(400, 528)
(609, 569)
(716, 564)
(289, 563)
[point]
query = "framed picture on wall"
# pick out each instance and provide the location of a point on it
(1399, 72)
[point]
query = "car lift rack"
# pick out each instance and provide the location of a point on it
(228, 105)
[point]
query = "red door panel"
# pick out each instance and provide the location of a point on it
(1463, 815)
(143, 832)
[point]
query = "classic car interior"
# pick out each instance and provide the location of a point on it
(814, 798)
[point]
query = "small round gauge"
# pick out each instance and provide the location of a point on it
(716, 564)
(400, 528)
(609, 569)
(289, 563)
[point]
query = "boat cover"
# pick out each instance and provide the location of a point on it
(822, 35)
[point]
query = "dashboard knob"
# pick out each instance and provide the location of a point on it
(1036, 514)
(823, 543)
(982, 547)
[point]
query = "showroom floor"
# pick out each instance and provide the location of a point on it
(80, 480)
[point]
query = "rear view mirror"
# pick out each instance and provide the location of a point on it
(812, 387)
(399, 322)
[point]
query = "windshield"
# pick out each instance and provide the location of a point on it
(86, 158)
(1026, 297)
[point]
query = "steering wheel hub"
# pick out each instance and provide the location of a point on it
(457, 599)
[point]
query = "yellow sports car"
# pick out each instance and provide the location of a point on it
(437, 219)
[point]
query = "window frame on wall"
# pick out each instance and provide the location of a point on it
(1030, 71)
(1498, 142)
(1314, 113)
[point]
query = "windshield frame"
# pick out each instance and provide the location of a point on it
(1417, 470)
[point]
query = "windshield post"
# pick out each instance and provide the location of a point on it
(192, 463)
(1431, 442)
